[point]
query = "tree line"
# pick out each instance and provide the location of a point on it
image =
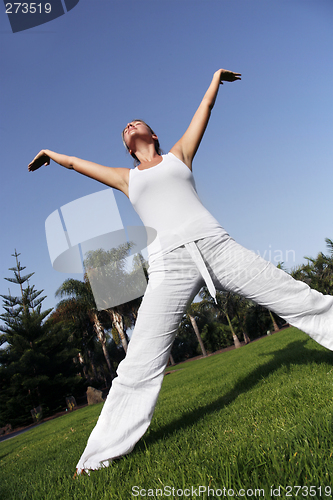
(49, 355)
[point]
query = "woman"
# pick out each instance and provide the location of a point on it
(191, 249)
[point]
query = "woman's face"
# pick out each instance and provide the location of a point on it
(136, 129)
(133, 129)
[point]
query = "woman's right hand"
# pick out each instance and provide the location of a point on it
(41, 159)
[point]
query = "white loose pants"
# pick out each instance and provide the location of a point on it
(174, 281)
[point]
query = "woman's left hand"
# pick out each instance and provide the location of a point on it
(228, 76)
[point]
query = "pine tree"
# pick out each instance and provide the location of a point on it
(36, 361)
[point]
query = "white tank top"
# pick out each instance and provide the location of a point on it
(165, 198)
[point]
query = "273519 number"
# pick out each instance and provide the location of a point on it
(305, 491)
(27, 8)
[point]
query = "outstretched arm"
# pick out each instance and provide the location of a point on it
(114, 177)
(187, 146)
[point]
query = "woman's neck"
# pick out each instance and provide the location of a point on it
(147, 154)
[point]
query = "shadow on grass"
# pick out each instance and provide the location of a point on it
(294, 353)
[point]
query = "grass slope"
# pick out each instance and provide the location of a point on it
(248, 418)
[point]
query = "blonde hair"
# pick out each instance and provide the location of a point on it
(156, 141)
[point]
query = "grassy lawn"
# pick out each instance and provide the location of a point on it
(251, 418)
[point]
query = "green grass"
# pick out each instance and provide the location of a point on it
(250, 418)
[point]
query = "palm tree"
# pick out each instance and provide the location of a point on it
(275, 325)
(171, 360)
(247, 339)
(106, 269)
(76, 320)
(117, 320)
(82, 293)
(226, 305)
(318, 272)
(192, 311)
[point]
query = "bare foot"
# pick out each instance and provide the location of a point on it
(82, 473)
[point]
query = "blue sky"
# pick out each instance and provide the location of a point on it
(265, 166)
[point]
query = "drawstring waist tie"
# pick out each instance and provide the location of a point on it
(197, 257)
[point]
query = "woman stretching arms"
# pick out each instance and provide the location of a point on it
(191, 249)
